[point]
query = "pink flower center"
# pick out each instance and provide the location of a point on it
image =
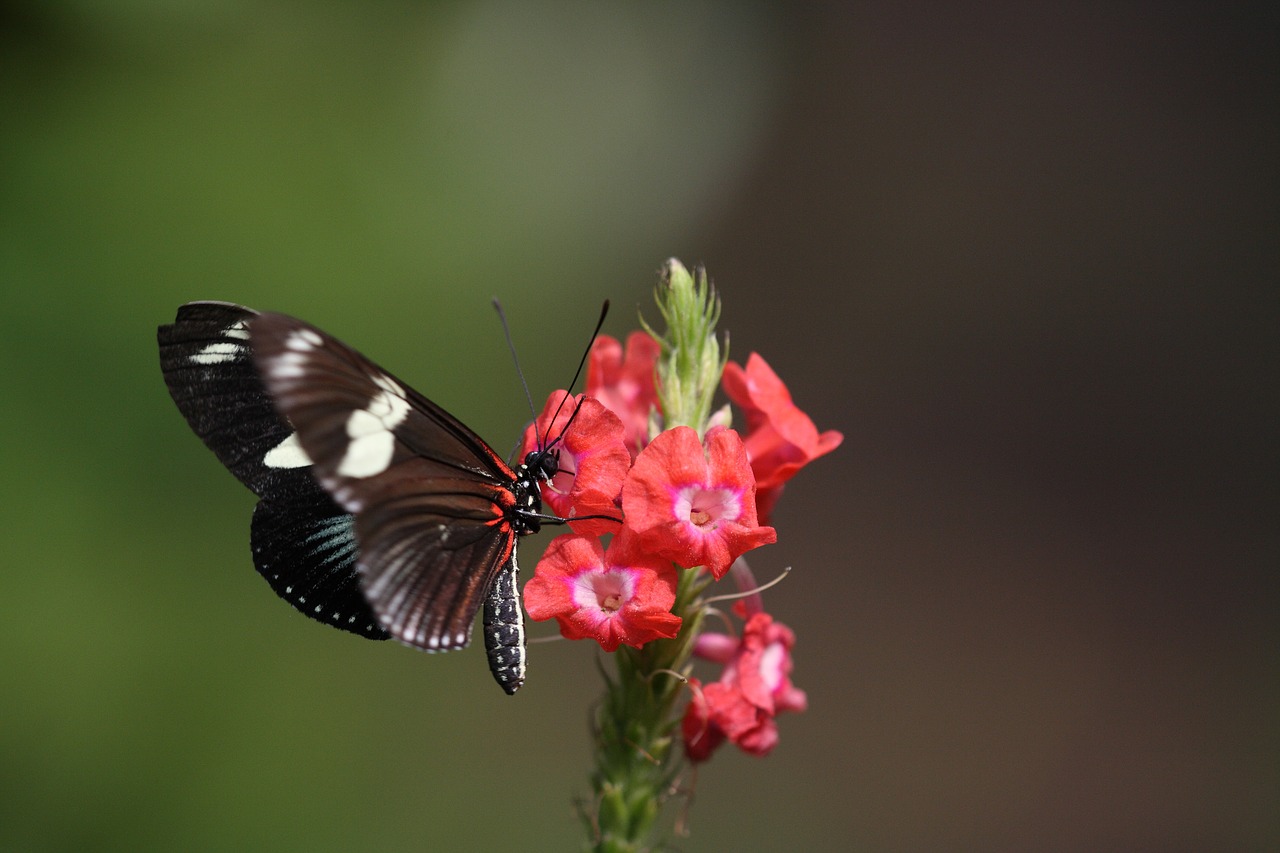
(706, 508)
(604, 590)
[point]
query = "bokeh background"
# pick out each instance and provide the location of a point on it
(1024, 256)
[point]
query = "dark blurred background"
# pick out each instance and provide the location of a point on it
(1024, 256)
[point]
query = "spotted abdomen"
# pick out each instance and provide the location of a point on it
(504, 628)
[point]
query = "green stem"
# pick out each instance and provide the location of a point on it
(636, 755)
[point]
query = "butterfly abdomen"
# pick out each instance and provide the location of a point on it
(504, 628)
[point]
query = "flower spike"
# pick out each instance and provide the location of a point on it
(644, 459)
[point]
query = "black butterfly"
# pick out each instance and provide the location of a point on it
(379, 513)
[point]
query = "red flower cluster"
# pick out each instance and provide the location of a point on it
(679, 501)
(754, 687)
(673, 499)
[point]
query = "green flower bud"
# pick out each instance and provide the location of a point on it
(691, 362)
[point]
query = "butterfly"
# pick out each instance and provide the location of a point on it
(378, 512)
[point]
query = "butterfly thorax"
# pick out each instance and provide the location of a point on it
(538, 467)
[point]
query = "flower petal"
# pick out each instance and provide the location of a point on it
(612, 596)
(695, 508)
(625, 383)
(781, 439)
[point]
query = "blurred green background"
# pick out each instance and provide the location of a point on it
(1025, 257)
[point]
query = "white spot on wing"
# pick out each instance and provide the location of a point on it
(371, 431)
(302, 340)
(289, 365)
(287, 454)
(218, 353)
(223, 351)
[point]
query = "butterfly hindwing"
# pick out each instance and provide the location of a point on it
(433, 503)
(303, 542)
(307, 553)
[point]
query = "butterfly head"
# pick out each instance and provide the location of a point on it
(542, 464)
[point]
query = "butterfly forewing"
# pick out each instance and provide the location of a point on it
(303, 543)
(208, 366)
(433, 503)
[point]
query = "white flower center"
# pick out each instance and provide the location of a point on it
(771, 660)
(706, 508)
(604, 590)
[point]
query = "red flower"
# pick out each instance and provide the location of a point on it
(702, 737)
(764, 666)
(692, 506)
(592, 460)
(781, 439)
(625, 384)
(753, 689)
(616, 596)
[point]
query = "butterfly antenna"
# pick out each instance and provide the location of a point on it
(604, 312)
(506, 330)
